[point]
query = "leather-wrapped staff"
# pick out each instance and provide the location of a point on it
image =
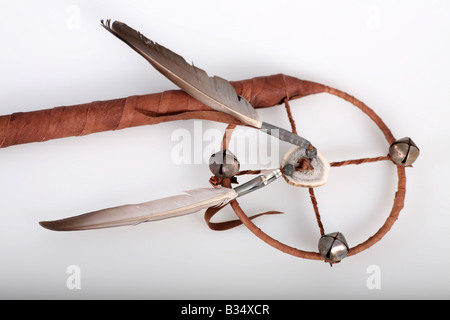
(215, 99)
(98, 116)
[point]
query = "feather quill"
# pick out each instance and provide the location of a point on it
(215, 92)
(188, 202)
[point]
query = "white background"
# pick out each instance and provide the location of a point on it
(394, 56)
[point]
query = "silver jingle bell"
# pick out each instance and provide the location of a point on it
(224, 164)
(289, 169)
(333, 247)
(404, 152)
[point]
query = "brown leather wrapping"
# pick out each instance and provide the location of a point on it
(98, 116)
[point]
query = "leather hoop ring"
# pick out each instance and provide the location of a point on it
(393, 216)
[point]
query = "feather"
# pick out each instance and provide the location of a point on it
(215, 92)
(188, 202)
